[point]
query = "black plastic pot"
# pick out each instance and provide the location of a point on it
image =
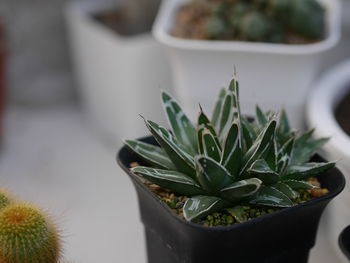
(284, 236)
(344, 242)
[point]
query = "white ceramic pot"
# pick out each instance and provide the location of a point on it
(119, 76)
(321, 104)
(274, 75)
(341, 51)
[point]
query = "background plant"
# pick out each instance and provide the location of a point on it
(252, 20)
(228, 161)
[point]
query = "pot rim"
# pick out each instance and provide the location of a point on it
(256, 220)
(321, 103)
(167, 11)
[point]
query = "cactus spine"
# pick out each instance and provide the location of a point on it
(27, 235)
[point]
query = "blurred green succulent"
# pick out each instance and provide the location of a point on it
(229, 160)
(307, 18)
(262, 20)
(255, 26)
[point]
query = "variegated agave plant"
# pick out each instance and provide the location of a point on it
(228, 161)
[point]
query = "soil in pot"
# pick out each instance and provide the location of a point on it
(342, 113)
(131, 18)
(292, 22)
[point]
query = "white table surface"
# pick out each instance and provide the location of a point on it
(52, 158)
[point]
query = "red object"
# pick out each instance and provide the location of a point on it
(2, 76)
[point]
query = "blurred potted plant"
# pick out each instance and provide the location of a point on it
(328, 110)
(212, 193)
(116, 61)
(273, 43)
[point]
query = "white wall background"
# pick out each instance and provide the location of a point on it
(38, 60)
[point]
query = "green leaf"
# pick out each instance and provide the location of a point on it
(260, 116)
(200, 131)
(232, 153)
(287, 148)
(182, 127)
(271, 156)
(200, 206)
(211, 175)
(302, 172)
(182, 160)
(261, 170)
(238, 213)
(249, 134)
(227, 114)
(230, 110)
(305, 148)
(298, 185)
(234, 88)
(152, 154)
(285, 156)
(210, 145)
(261, 146)
(203, 121)
(176, 181)
(218, 108)
(304, 138)
(269, 196)
(287, 190)
(283, 124)
(241, 189)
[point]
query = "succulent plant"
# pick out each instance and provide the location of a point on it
(228, 161)
(255, 26)
(27, 235)
(215, 27)
(281, 21)
(307, 18)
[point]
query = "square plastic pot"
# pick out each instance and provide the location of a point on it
(284, 236)
(329, 91)
(278, 75)
(119, 76)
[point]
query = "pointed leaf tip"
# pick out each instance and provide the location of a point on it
(180, 124)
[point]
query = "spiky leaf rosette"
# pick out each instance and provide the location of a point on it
(228, 161)
(5, 199)
(27, 235)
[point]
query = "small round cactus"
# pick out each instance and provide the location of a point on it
(27, 235)
(5, 199)
(307, 18)
(216, 27)
(255, 26)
